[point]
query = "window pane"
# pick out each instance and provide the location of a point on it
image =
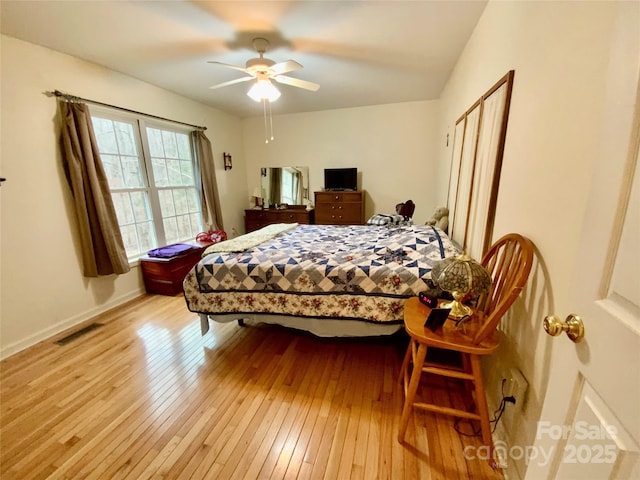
(196, 223)
(171, 229)
(155, 142)
(146, 236)
(187, 172)
(160, 172)
(180, 201)
(192, 200)
(140, 204)
(170, 145)
(113, 171)
(173, 171)
(125, 138)
(105, 136)
(184, 226)
(130, 239)
(184, 146)
(123, 208)
(166, 203)
(131, 172)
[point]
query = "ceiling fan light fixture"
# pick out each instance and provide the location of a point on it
(263, 89)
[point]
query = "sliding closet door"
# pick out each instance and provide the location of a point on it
(486, 173)
(475, 168)
(465, 176)
(454, 175)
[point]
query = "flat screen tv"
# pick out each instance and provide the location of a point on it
(341, 179)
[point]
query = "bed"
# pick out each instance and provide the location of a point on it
(326, 279)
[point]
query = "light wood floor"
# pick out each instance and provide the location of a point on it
(146, 396)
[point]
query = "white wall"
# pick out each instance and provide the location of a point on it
(559, 51)
(393, 146)
(43, 290)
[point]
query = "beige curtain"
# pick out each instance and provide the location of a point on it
(103, 251)
(275, 187)
(209, 199)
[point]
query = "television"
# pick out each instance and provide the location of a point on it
(341, 179)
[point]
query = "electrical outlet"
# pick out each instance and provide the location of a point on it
(509, 388)
(513, 385)
(516, 386)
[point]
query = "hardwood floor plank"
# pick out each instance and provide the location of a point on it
(297, 463)
(146, 396)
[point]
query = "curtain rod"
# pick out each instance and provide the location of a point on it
(73, 98)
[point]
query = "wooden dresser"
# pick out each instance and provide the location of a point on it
(339, 208)
(256, 219)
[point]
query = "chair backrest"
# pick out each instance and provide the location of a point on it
(509, 262)
(406, 209)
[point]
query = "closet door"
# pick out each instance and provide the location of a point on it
(486, 174)
(465, 175)
(475, 168)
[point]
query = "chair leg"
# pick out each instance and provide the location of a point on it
(405, 362)
(481, 401)
(469, 389)
(413, 388)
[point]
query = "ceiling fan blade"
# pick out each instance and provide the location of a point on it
(235, 67)
(231, 82)
(285, 67)
(296, 82)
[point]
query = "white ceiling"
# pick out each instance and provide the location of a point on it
(360, 52)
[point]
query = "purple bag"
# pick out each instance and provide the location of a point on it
(169, 251)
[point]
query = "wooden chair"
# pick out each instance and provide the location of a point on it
(508, 262)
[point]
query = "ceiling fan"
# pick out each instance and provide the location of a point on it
(263, 70)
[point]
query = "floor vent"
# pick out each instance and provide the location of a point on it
(78, 334)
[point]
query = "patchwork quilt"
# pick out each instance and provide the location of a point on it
(355, 272)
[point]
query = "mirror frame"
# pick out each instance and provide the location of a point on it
(264, 189)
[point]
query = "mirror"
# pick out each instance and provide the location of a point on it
(288, 185)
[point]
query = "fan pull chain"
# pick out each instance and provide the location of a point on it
(269, 128)
(271, 121)
(264, 110)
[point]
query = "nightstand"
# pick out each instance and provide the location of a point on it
(164, 276)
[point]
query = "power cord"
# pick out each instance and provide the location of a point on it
(497, 414)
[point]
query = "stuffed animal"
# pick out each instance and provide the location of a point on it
(440, 219)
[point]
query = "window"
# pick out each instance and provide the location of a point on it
(289, 186)
(151, 174)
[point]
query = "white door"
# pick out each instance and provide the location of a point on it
(590, 422)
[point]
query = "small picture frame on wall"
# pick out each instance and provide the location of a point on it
(227, 161)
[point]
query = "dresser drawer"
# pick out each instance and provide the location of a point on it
(339, 214)
(338, 197)
(291, 216)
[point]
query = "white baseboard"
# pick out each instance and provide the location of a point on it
(63, 325)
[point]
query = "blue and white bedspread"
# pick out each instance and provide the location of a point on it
(326, 271)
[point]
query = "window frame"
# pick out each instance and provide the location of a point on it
(140, 124)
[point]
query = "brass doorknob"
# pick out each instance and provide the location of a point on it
(572, 326)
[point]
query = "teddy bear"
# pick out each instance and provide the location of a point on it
(440, 219)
